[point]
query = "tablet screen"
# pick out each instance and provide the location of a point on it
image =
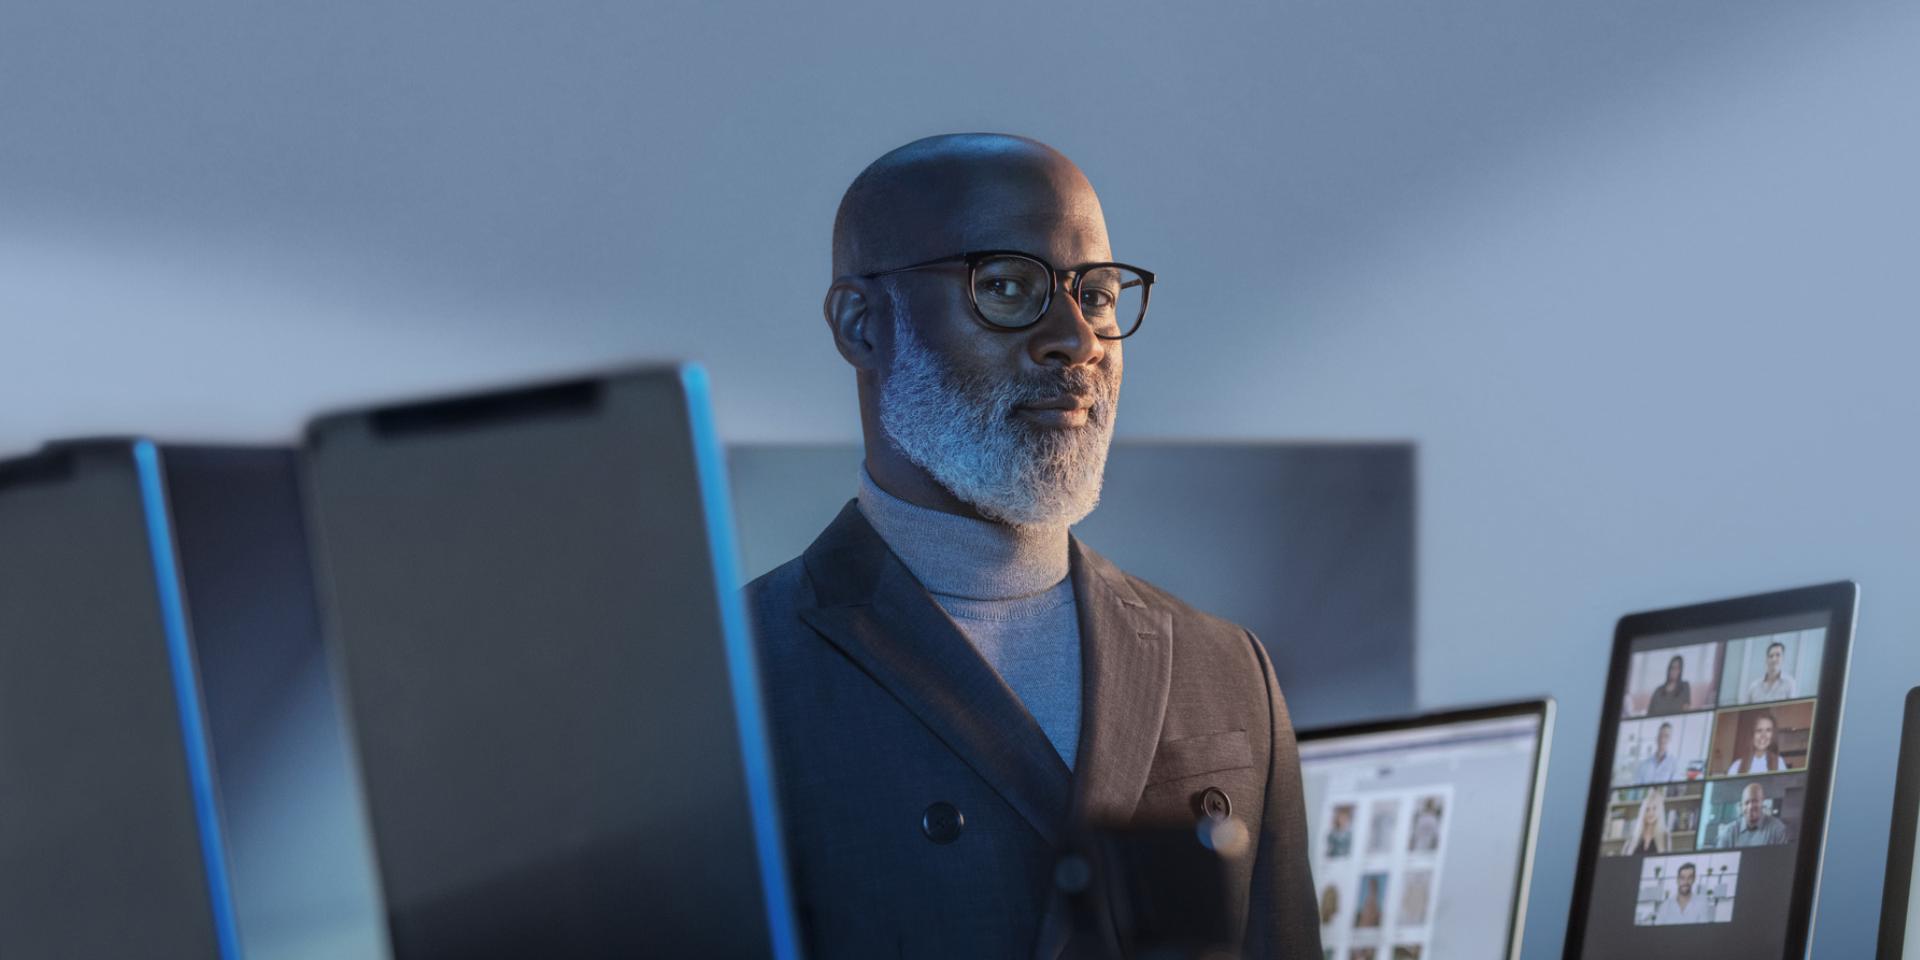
(1706, 807)
(1912, 947)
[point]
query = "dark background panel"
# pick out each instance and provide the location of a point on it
(296, 835)
(1309, 545)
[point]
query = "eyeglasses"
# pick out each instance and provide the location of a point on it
(1011, 290)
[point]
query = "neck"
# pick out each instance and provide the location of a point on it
(960, 556)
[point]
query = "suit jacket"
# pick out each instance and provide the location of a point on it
(880, 710)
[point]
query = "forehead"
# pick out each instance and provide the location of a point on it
(1048, 210)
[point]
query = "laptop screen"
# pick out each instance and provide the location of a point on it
(1421, 835)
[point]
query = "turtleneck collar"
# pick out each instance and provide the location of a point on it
(963, 557)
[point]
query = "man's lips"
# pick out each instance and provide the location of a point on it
(1066, 402)
(1062, 412)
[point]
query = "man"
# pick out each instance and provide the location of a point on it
(1683, 906)
(955, 686)
(1663, 766)
(1774, 685)
(1755, 827)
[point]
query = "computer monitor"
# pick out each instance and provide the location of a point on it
(158, 633)
(110, 831)
(532, 598)
(1707, 809)
(1900, 904)
(1422, 830)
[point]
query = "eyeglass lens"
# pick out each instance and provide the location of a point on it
(1011, 291)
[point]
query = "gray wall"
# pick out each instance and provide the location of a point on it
(1310, 546)
(1634, 275)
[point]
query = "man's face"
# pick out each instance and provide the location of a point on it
(1753, 804)
(1665, 737)
(1775, 654)
(1684, 880)
(1014, 422)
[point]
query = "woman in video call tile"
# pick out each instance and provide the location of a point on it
(1650, 827)
(1674, 696)
(1766, 752)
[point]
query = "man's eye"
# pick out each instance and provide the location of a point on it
(1096, 301)
(1006, 288)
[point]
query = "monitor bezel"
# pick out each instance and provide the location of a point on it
(1839, 601)
(1540, 707)
(1906, 815)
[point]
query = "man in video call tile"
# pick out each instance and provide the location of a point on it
(1774, 685)
(1663, 766)
(956, 685)
(1755, 827)
(1674, 696)
(1683, 906)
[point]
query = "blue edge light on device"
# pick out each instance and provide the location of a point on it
(741, 666)
(186, 693)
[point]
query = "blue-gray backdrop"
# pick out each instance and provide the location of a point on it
(1636, 276)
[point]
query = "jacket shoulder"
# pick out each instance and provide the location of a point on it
(774, 601)
(1186, 617)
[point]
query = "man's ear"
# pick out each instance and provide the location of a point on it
(854, 322)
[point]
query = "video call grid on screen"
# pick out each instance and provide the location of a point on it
(1392, 810)
(1706, 801)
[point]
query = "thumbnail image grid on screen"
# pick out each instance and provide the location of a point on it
(1419, 836)
(1707, 788)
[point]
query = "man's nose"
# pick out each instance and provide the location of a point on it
(1063, 337)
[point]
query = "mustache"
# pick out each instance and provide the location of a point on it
(1080, 383)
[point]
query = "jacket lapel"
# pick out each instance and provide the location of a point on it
(873, 610)
(1126, 667)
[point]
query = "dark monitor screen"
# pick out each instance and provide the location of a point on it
(109, 841)
(532, 600)
(1707, 810)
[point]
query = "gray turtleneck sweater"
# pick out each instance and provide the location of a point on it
(1006, 588)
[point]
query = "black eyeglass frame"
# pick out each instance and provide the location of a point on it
(1079, 273)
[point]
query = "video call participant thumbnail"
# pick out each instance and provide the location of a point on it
(1683, 906)
(1772, 667)
(1673, 680)
(1686, 889)
(1765, 739)
(1655, 750)
(1753, 812)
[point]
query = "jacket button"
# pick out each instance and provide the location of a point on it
(1214, 804)
(942, 822)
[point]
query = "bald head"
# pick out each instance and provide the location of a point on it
(958, 192)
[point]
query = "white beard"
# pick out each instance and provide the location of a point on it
(960, 429)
